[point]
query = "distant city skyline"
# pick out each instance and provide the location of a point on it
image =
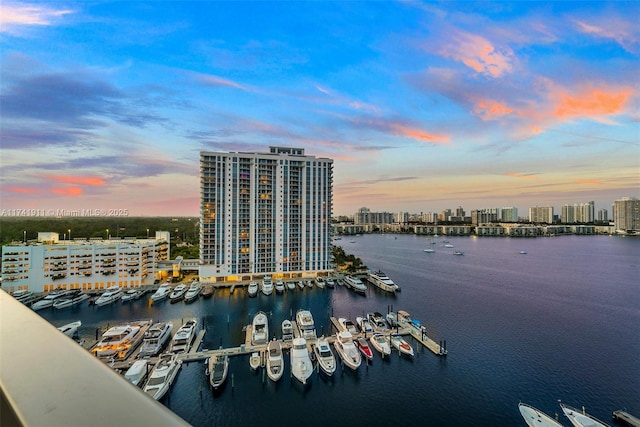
(422, 106)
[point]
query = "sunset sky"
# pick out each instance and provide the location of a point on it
(422, 106)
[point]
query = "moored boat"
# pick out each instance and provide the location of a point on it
(378, 322)
(195, 288)
(111, 295)
(275, 360)
(381, 343)
(267, 286)
(392, 319)
(255, 360)
(155, 338)
(70, 329)
(300, 284)
(279, 286)
(132, 294)
(184, 337)
(320, 282)
(382, 281)
(119, 341)
(162, 292)
(260, 329)
(364, 324)
(178, 293)
(287, 330)
(401, 345)
(76, 299)
(356, 284)
(535, 417)
(347, 350)
(301, 366)
(581, 418)
(252, 289)
(45, 302)
(330, 283)
(306, 325)
(218, 370)
(291, 285)
(207, 292)
(162, 375)
(324, 356)
(348, 325)
(137, 372)
(364, 348)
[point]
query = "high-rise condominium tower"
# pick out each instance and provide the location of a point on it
(264, 214)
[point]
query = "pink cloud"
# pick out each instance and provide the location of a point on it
(418, 134)
(67, 191)
(521, 175)
(78, 180)
(488, 109)
(590, 102)
(588, 181)
(22, 190)
(478, 53)
(211, 80)
(623, 32)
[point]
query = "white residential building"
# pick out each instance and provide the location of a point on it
(541, 214)
(264, 214)
(49, 264)
(626, 215)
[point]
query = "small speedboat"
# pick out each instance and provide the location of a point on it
(320, 282)
(178, 293)
(291, 285)
(260, 329)
(218, 370)
(364, 348)
(535, 417)
(381, 343)
(70, 329)
(287, 330)
(300, 284)
(163, 292)
(275, 360)
(253, 289)
(324, 356)
(301, 366)
(267, 286)
(348, 325)
(255, 360)
(581, 418)
(330, 283)
(279, 286)
(347, 350)
(364, 324)
(401, 345)
(162, 375)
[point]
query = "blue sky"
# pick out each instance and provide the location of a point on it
(422, 106)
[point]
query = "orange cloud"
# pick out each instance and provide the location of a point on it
(78, 180)
(588, 181)
(521, 175)
(419, 134)
(489, 109)
(67, 191)
(477, 53)
(22, 190)
(591, 103)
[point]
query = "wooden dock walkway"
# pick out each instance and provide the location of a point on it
(626, 417)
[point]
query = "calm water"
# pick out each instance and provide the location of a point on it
(561, 322)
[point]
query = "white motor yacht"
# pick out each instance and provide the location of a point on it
(162, 292)
(381, 343)
(320, 282)
(330, 283)
(70, 329)
(279, 286)
(137, 372)
(184, 337)
(347, 350)
(392, 319)
(193, 292)
(306, 325)
(111, 295)
(382, 281)
(535, 417)
(348, 325)
(117, 341)
(287, 330)
(130, 295)
(378, 322)
(356, 284)
(155, 338)
(218, 369)
(253, 289)
(47, 301)
(300, 284)
(65, 302)
(291, 285)
(324, 356)
(178, 293)
(401, 345)
(301, 366)
(260, 329)
(275, 360)
(579, 418)
(267, 286)
(162, 375)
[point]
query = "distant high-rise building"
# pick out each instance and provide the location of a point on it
(459, 211)
(429, 217)
(541, 214)
(484, 216)
(603, 215)
(583, 213)
(365, 216)
(265, 213)
(401, 217)
(444, 215)
(626, 215)
(509, 214)
(568, 214)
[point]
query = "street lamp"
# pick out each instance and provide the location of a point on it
(107, 234)
(24, 234)
(69, 230)
(147, 233)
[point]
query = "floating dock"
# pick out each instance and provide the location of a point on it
(621, 415)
